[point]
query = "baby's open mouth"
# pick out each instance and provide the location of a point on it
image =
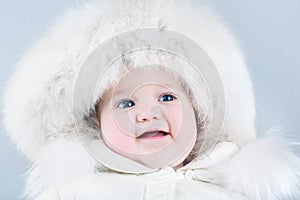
(153, 135)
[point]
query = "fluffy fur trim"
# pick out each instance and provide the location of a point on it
(59, 161)
(266, 169)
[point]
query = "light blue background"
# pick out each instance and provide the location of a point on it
(268, 32)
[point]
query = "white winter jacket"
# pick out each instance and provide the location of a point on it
(50, 102)
(197, 180)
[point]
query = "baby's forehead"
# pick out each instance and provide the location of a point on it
(145, 76)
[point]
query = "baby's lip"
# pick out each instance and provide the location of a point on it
(153, 133)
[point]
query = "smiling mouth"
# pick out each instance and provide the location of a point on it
(153, 135)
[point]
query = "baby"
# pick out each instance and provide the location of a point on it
(147, 117)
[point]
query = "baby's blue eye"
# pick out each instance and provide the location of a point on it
(167, 97)
(126, 104)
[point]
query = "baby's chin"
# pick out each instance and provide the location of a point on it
(153, 145)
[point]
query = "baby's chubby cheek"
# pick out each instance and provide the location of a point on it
(113, 131)
(174, 119)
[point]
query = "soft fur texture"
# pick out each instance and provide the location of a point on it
(38, 106)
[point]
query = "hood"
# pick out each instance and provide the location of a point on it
(52, 94)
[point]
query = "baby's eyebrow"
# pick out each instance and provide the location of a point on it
(171, 85)
(123, 93)
(119, 92)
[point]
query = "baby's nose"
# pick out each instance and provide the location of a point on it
(146, 115)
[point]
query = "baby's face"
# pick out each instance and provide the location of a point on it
(148, 118)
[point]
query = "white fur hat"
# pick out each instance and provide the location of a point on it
(38, 104)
